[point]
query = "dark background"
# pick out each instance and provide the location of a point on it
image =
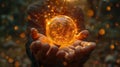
(102, 19)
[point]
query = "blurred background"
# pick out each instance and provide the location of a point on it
(102, 19)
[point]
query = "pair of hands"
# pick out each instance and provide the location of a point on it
(74, 55)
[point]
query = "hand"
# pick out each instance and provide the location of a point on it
(74, 55)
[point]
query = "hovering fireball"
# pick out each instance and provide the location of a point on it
(61, 30)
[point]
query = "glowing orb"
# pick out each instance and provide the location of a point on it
(61, 30)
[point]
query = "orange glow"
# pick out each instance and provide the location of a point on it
(101, 31)
(112, 46)
(90, 13)
(10, 60)
(61, 30)
(22, 35)
(17, 64)
(28, 17)
(16, 28)
(108, 8)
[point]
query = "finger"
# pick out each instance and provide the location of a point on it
(35, 46)
(52, 51)
(82, 35)
(71, 47)
(43, 51)
(84, 49)
(76, 43)
(76, 46)
(88, 46)
(34, 34)
(78, 52)
(51, 55)
(61, 54)
(69, 54)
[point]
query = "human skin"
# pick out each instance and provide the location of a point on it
(47, 55)
(74, 55)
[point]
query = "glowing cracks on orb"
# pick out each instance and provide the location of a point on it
(61, 30)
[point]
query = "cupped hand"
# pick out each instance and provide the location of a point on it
(74, 55)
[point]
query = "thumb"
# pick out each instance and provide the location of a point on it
(82, 35)
(34, 33)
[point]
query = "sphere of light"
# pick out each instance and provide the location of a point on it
(61, 30)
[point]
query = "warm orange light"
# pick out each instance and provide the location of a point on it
(112, 46)
(22, 35)
(102, 32)
(17, 64)
(108, 8)
(61, 30)
(16, 27)
(90, 13)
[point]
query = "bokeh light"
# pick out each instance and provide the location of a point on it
(102, 31)
(102, 19)
(108, 8)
